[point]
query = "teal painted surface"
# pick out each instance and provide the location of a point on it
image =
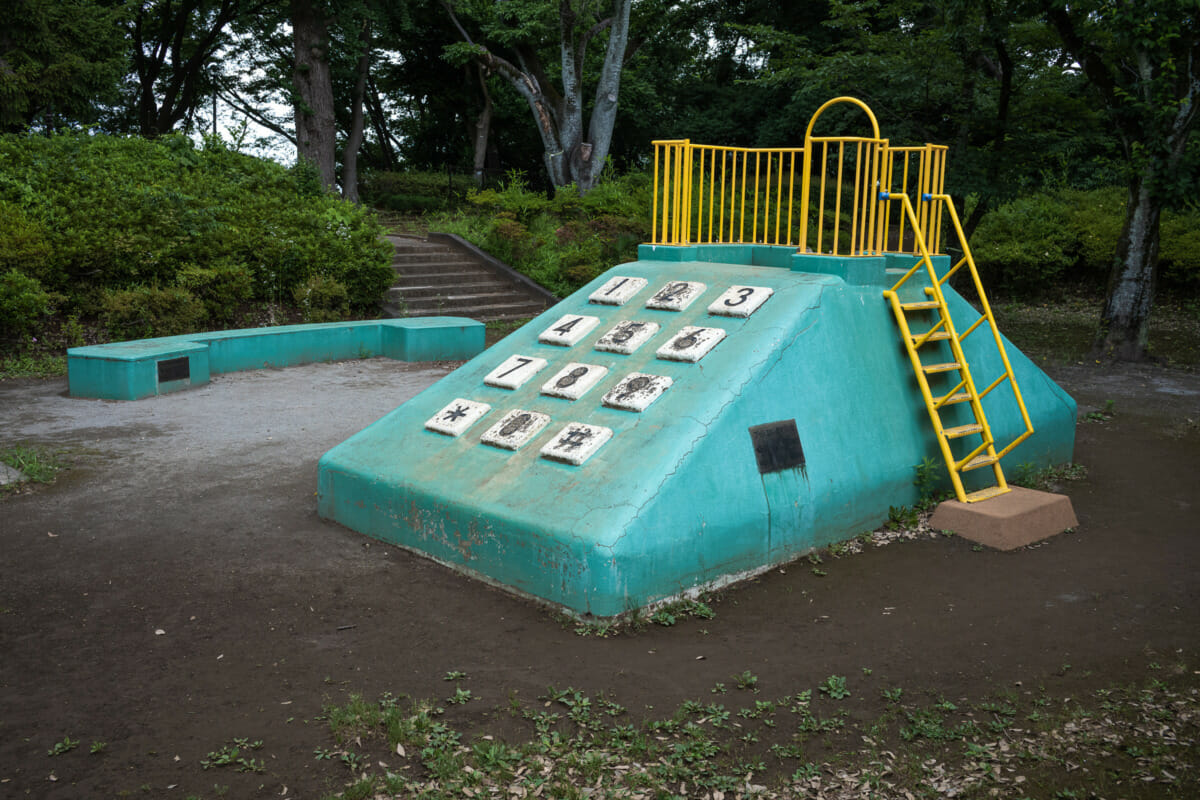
(674, 501)
(129, 370)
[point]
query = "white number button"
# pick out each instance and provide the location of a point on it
(576, 443)
(617, 291)
(568, 330)
(627, 336)
(637, 391)
(454, 419)
(515, 429)
(574, 380)
(515, 371)
(691, 344)
(676, 295)
(740, 301)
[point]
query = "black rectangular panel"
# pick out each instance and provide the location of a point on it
(174, 369)
(777, 446)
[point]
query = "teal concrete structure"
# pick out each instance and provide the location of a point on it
(681, 422)
(148, 367)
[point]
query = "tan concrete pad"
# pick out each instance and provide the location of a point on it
(1007, 521)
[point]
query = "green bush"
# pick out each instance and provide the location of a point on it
(413, 192)
(146, 311)
(322, 299)
(1179, 250)
(1025, 246)
(91, 216)
(221, 287)
(561, 242)
(23, 304)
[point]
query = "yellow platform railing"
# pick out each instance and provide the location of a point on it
(821, 197)
(850, 196)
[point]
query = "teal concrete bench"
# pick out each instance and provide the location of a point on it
(148, 367)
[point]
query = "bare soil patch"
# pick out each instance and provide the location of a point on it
(174, 592)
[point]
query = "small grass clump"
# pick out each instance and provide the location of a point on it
(36, 464)
(805, 744)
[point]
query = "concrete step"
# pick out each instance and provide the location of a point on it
(436, 279)
(442, 278)
(441, 256)
(485, 312)
(457, 300)
(415, 291)
(426, 267)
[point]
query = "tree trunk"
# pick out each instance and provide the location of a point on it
(379, 123)
(1125, 320)
(354, 140)
(483, 129)
(316, 129)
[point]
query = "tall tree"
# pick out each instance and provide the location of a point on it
(1143, 58)
(316, 130)
(60, 61)
(574, 149)
(173, 46)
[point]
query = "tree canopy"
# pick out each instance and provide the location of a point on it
(1028, 94)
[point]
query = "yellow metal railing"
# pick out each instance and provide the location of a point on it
(822, 197)
(965, 390)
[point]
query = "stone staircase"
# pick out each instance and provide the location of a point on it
(442, 275)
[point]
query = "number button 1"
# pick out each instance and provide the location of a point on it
(617, 290)
(740, 301)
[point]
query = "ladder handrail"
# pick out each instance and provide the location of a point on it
(942, 203)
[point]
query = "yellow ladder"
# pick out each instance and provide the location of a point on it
(940, 328)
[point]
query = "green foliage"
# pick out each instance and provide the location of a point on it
(23, 302)
(561, 242)
(138, 229)
(322, 299)
(38, 465)
(145, 311)
(220, 287)
(412, 192)
(1025, 246)
(60, 58)
(65, 746)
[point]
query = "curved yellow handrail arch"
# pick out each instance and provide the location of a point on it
(844, 99)
(806, 173)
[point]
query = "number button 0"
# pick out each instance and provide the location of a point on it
(515, 429)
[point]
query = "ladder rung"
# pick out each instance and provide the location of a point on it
(950, 400)
(980, 461)
(921, 306)
(962, 430)
(938, 336)
(947, 367)
(984, 494)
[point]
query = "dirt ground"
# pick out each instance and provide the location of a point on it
(176, 590)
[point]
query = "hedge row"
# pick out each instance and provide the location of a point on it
(159, 236)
